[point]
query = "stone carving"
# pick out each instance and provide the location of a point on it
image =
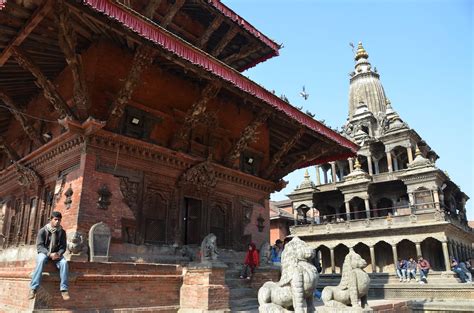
(99, 242)
(75, 243)
(354, 285)
(265, 254)
(68, 202)
(298, 281)
(26, 176)
(104, 197)
(209, 248)
(201, 175)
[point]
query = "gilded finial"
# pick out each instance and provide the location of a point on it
(418, 152)
(357, 165)
(306, 174)
(361, 53)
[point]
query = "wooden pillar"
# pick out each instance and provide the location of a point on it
(389, 162)
(410, 154)
(351, 164)
(447, 264)
(418, 249)
(369, 164)
(367, 207)
(348, 210)
(333, 261)
(333, 171)
(372, 258)
(318, 176)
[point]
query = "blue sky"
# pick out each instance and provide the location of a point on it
(422, 50)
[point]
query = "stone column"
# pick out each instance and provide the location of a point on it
(395, 256)
(369, 164)
(447, 265)
(312, 216)
(376, 163)
(367, 207)
(325, 174)
(295, 216)
(348, 210)
(418, 249)
(410, 154)
(333, 261)
(395, 164)
(450, 249)
(389, 162)
(333, 171)
(318, 177)
(351, 164)
(436, 198)
(372, 258)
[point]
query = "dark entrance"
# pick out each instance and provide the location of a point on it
(192, 221)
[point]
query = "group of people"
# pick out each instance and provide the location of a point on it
(252, 257)
(463, 269)
(406, 269)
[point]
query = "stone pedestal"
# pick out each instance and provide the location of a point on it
(204, 288)
(328, 309)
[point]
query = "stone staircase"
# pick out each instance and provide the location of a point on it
(243, 298)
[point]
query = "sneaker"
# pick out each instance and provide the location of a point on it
(31, 294)
(65, 295)
(400, 280)
(248, 277)
(421, 282)
(416, 279)
(241, 277)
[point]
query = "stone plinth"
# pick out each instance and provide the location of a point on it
(327, 309)
(204, 288)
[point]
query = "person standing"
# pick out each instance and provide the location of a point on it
(51, 245)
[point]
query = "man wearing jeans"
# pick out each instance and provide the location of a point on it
(424, 267)
(51, 245)
(402, 270)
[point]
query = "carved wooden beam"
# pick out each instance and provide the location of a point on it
(225, 41)
(49, 90)
(144, 56)
(209, 31)
(28, 27)
(172, 12)
(151, 8)
(5, 146)
(283, 150)
(248, 135)
(25, 123)
(67, 42)
(194, 115)
(246, 51)
(314, 152)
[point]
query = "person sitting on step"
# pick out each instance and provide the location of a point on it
(251, 261)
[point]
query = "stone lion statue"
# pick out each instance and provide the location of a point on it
(299, 277)
(354, 284)
(75, 243)
(209, 248)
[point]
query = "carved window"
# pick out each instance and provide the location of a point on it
(218, 224)
(423, 199)
(137, 123)
(155, 217)
(250, 163)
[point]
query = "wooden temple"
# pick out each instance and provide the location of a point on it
(136, 114)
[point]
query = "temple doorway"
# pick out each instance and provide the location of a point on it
(192, 221)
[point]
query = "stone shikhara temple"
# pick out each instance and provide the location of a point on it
(132, 119)
(390, 202)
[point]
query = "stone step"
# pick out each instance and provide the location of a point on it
(243, 303)
(240, 293)
(250, 309)
(237, 283)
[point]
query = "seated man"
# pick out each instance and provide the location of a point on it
(411, 269)
(276, 252)
(455, 267)
(423, 267)
(51, 245)
(402, 270)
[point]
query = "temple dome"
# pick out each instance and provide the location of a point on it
(365, 85)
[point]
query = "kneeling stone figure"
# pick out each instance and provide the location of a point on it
(299, 277)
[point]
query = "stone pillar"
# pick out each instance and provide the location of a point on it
(341, 173)
(325, 174)
(333, 171)
(447, 265)
(450, 249)
(410, 154)
(348, 210)
(395, 164)
(295, 216)
(389, 162)
(318, 177)
(367, 207)
(312, 216)
(369, 164)
(204, 289)
(351, 164)
(372, 258)
(418, 249)
(376, 163)
(395, 256)
(436, 198)
(333, 261)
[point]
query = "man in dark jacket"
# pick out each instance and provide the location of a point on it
(51, 245)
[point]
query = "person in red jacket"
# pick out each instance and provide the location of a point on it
(252, 260)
